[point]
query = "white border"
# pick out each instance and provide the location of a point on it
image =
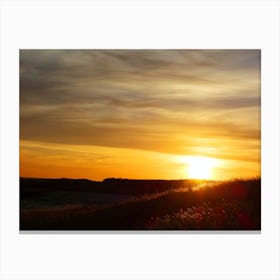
(155, 24)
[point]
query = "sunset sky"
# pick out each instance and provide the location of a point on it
(154, 114)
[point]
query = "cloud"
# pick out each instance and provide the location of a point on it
(144, 99)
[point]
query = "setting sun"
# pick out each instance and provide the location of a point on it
(200, 167)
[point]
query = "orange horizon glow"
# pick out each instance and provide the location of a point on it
(134, 164)
(140, 114)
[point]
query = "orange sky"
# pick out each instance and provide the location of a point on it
(139, 113)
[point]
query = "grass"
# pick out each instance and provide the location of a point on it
(231, 205)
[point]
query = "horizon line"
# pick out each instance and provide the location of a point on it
(135, 179)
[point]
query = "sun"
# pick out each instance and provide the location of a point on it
(200, 167)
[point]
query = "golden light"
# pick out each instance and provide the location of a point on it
(199, 167)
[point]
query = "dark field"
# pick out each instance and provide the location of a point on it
(121, 204)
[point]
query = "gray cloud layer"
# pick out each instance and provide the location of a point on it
(147, 99)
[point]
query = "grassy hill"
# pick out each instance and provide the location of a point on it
(147, 205)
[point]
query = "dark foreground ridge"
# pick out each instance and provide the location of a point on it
(122, 204)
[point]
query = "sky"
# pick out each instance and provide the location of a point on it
(143, 114)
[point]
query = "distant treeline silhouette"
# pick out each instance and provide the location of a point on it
(36, 186)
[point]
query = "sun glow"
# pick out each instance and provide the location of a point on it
(199, 167)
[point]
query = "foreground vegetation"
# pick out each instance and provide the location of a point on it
(231, 205)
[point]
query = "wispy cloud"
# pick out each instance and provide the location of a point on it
(156, 100)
